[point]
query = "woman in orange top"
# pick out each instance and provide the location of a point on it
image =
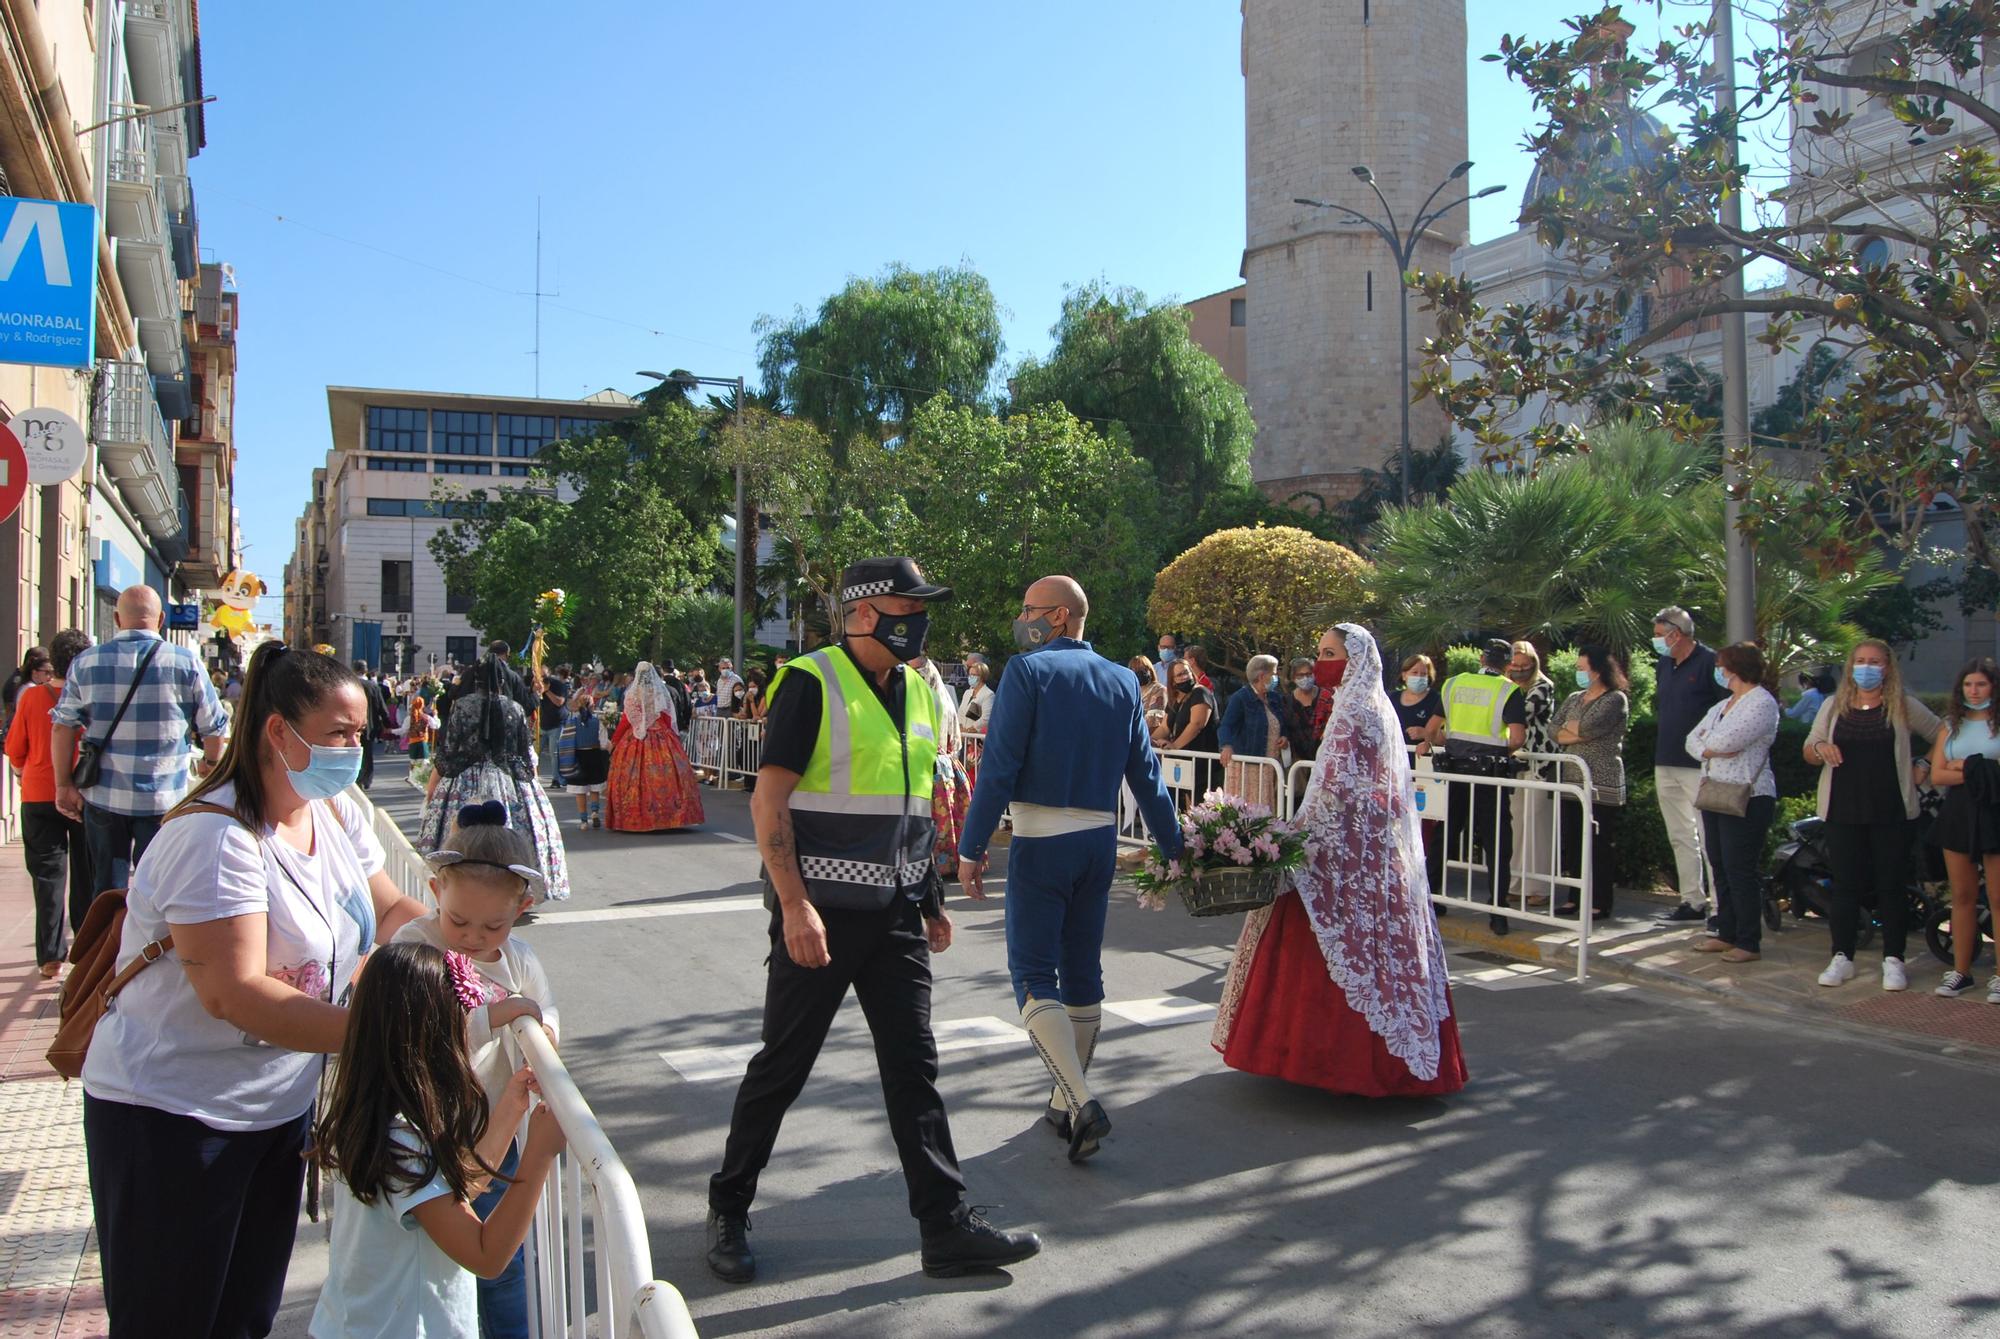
(49, 841)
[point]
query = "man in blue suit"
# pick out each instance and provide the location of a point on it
(1067, 728)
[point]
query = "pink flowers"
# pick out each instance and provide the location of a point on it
(1222, 832)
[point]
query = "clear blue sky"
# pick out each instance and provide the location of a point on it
(701, 163)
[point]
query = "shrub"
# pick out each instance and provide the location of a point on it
(1269, 589)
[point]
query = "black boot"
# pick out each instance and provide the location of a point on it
(729, 1257)
(1497, 924)
(971, 1243)
(1087, 1127)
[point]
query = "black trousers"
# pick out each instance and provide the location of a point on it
(52, 845)
(884, 956)
(367, 761)
(1735, 847)
(194, 1224)
(1871, 862)
(116, 842)
(1472, 810)
(1574, 825)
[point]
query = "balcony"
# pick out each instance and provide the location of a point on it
(133, 443)
(134, 204)
(156, 44)
(182, 236)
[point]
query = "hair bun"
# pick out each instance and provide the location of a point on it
(489, 814)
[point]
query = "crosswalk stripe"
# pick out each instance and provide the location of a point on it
(704, 1064)
(1160, 1011)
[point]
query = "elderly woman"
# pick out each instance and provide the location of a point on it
(254, 905)
(1253, 726)
(1590, 725)
(1737, 797)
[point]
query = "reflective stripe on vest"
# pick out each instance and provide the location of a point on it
(1475, 707)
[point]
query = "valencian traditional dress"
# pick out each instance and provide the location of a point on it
(951, 796)
(652, 786)
(1340, 984)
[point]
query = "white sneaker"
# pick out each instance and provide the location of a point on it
(1893, 975)
(1993, 991)
(1838, 972)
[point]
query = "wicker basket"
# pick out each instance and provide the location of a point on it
(1228, 892)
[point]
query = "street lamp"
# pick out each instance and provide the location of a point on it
(1403, 245)
(744, 545)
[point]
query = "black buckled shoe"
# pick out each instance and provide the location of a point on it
(729, 1256)
(1089, 1126)
(971, 1243)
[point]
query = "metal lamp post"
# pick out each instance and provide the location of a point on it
(744, 546)
(1403, 245)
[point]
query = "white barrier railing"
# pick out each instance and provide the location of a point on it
(1189, 775)
(630, 1301)
(725, 749)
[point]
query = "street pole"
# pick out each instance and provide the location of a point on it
(1403, 288)
(745, 543)
(1740, 609)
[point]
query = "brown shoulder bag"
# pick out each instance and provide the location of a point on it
(94, 979)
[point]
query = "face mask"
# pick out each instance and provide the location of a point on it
(1521, 675)
(1978, 703)
(1419, 683)
(903, 634)
(1033, 633)
(1583, 678)
(1721, 677)
(1329, 673)
(1304, 683)
(1659, 646)
(1166, 655)
(327, 772)
(1867, 677)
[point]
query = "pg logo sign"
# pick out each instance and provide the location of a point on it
(48, 282)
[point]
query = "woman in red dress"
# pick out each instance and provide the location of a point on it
(652, 786)
(1340, 984)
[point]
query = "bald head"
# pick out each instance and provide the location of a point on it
(139, 607)
(1060, 592)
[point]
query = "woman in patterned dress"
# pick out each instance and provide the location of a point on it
(652, 786)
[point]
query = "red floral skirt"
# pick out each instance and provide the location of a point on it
(651, 787)
(1294, 1023)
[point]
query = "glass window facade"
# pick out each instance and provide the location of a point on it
(397, 429)
(401, 506)
(459, 434)
(457, 601)
(515, 471)
(409, 466)
(524, 435)
(581, 427)
(461, 650)
(396, 585)
(463, 467)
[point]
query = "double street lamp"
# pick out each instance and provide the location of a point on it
(1403, 245)
(745, 544)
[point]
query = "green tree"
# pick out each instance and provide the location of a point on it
(1433, 470)
(1914, 416)
(1124, 363)
(880, 347)
(990, 504)
(1263, 590)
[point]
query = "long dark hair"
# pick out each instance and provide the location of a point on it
(1954, 714)
(281, 681)
(404, 1057)
(1606, 664)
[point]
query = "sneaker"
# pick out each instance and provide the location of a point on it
(1894, 977)
(1953, 985)
(1993, 991)
(1684, 912)
(1838, 972)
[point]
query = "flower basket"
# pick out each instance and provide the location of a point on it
(1227, 892)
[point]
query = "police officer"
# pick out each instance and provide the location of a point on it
(1486, 723)
(843, 815)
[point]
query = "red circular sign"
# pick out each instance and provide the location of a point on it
(13, 473)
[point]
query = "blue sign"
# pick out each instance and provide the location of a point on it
(184, 618)
(113, 570)
(48, 282)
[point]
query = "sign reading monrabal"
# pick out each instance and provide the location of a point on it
(48, 282)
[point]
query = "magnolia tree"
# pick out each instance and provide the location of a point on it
(1879, 101)
(1269, 590)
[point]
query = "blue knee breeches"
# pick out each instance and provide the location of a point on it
(1058, 889)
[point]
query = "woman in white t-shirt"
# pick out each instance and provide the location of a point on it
(200, 1081)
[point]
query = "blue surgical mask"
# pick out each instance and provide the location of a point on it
(1166, 655)
(330, 769)
(1721, 677)
(1978, 703)
(1867, 677)
(1419, 683)
(1583, 678)
(1659, 646)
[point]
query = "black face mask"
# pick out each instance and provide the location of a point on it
(1032, 633)
(903, 634)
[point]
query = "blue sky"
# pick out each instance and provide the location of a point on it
(372, 173)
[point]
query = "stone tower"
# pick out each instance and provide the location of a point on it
(1328, 85)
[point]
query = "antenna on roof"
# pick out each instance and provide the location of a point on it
(539, 295)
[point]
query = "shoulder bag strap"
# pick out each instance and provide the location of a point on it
(154, 951)
(145, 663)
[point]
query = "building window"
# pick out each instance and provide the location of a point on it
(463, 467)
(515, 471)
(1238, 312)
(1371, 290)
(458, 434)
(396, 577)
(573, 428)
(523, 435)
(396, 429)
(461, 650)
(401, 506)
(391, 463)
(457, 601)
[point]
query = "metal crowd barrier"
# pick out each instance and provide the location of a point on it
(630, 1301)
(725, 749)
(1189, 775)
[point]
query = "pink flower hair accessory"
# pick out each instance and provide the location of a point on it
(465, 981)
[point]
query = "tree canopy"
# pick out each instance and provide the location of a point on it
(1258, 590)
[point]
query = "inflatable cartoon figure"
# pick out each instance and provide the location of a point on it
(234, 607)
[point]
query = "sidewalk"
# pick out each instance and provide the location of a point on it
(1641, 950)
(48, 1255)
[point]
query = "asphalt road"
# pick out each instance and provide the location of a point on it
(1622, 1163)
